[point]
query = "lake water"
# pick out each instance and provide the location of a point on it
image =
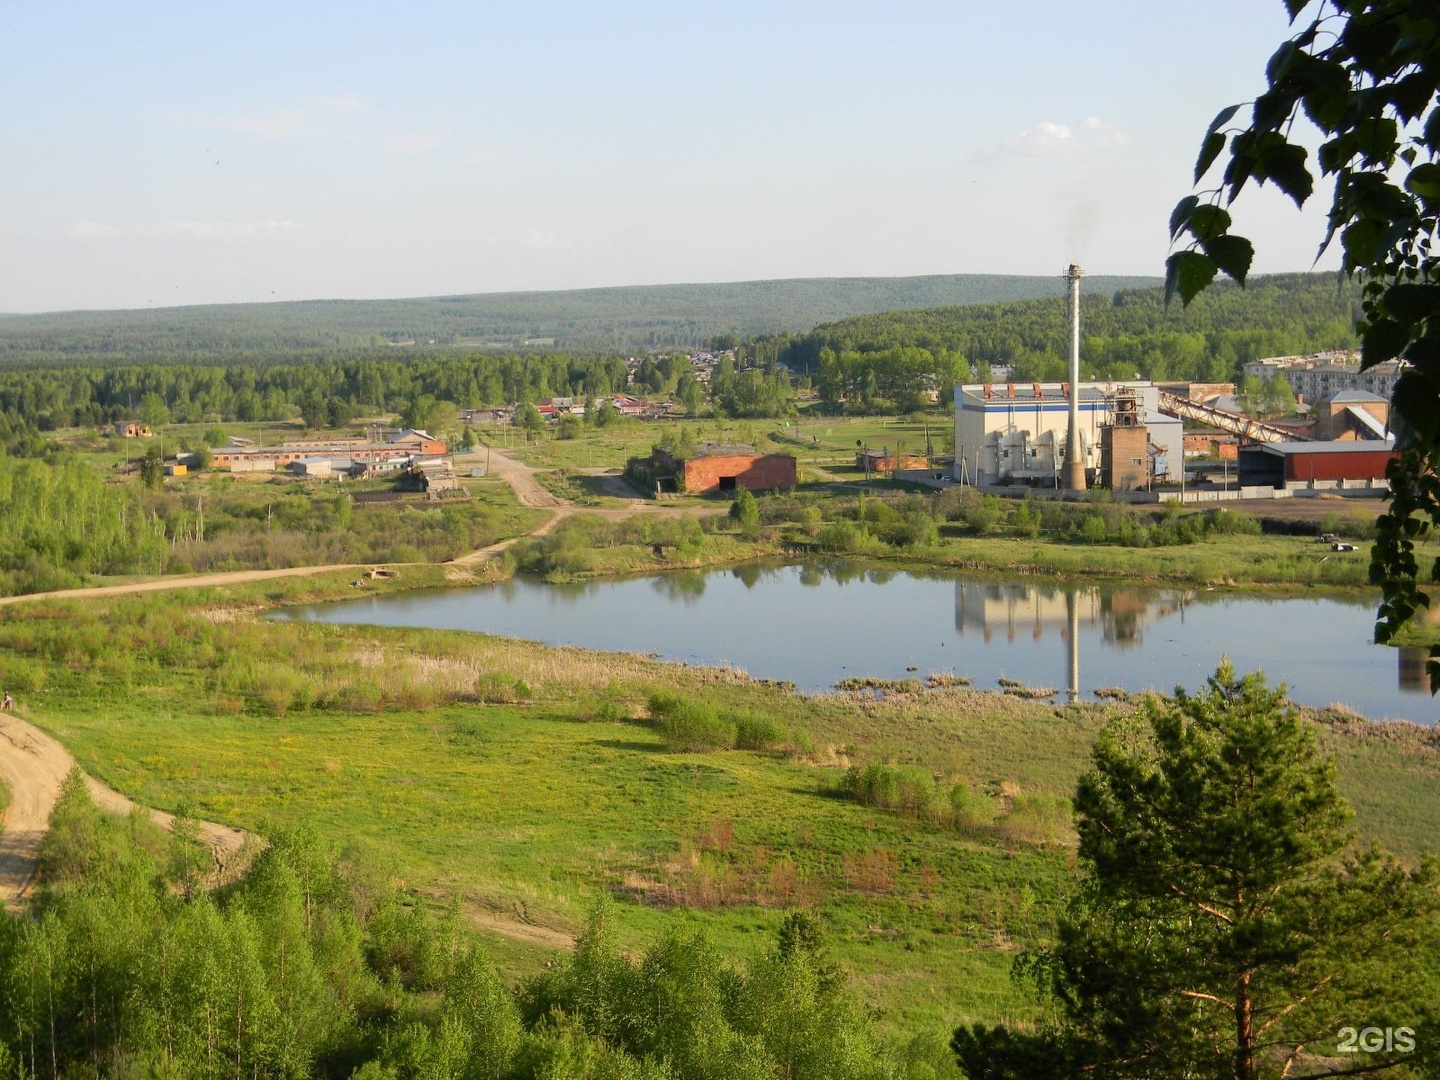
(816, 623)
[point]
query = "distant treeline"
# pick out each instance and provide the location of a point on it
(1124, 334)
(629, 320)
(885, 362)
(49, 398)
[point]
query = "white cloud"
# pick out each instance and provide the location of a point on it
(1048, 138)
(1045, 134)
(541, 240)
(314, 117)
(220, 230)
(197, 231)
(91, 230)
(409, 145)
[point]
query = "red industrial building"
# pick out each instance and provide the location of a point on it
(1325, 463)
(726, 468)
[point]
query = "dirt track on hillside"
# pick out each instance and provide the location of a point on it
(33, 766)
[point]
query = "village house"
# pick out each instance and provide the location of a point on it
(418, 442)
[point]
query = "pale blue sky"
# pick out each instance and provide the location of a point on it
(169, 153)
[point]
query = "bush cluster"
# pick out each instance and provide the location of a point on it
(693, 726)
(914, 791)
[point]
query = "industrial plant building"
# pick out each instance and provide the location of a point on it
(1016, 433)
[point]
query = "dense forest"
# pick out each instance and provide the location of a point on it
(1126, 334)
(628, 320)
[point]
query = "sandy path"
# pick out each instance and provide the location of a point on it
(33, 766)
(182, 581)
(519, 476)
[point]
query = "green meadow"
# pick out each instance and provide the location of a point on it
(527, 782)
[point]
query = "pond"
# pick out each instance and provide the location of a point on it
(819, 622)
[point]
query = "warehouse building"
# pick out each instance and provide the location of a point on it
(1301, 465)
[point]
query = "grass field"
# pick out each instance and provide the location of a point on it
(527, 781)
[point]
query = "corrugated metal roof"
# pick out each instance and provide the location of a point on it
(1347, 447)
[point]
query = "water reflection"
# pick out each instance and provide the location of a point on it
(1413, 676)
(687, 586)
(1119, 615)
(816, 623)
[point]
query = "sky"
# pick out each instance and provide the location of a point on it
(160, 154)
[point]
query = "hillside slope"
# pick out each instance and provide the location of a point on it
(627, 319)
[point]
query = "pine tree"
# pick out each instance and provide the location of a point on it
(1224, 928)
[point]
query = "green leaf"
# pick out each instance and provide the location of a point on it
(1412, 94)
(1432, 129)
(1186, 274)
(1415, 399)
(1379, 140)
(1411, 303)
(1181, 214)
(1209, 151)
(1283, 164)
(1424, 181)
(1383, 339)
(1326, 92)
(1272, 110)
(1333, 154)
(1208, 221)
(1361, 241)
(1280, 63)
(1232, 254)
(1223, 117)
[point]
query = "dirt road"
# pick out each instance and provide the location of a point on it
(33, 766)
(181, 581)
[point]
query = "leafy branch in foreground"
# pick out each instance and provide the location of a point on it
(1365, 74)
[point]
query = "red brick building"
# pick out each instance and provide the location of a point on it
(726, 468)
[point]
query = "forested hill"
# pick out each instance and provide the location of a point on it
(630, 319)
(1123, 331)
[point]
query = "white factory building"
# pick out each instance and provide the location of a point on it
(1015, 432)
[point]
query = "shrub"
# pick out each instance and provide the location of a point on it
(1093, 530)
(1025, 521)
(756, 731)
(497, 688)
(907, 788)
(23, 676)
(1038, 817)
(745, 511)
(982, 516)
(690, 726)
(840, 536)
(1233, 523)
(969, 807)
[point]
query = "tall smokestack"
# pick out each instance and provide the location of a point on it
(1074, 459)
